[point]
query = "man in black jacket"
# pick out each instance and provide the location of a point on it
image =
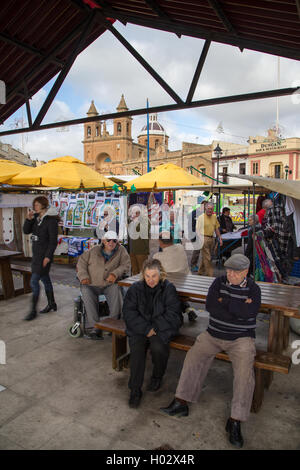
(152, 314)
(233, 302)
(42, 223)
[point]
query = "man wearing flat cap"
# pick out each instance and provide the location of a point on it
(233, 302)
(98, 271)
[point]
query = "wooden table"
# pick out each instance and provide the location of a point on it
(6, 273)
(279, 300)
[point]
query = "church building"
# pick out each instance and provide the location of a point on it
(118, 154)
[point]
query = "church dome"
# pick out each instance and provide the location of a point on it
(154, 127)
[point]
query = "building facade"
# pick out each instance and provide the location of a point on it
(118, 154)
(8, 152)
(269, 156)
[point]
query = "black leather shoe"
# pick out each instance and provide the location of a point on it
(192, 316)
(235, 435)
(135, 398)
(94, 335)
(154, 384)
(176, 408)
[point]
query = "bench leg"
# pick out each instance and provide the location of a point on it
(258, 394)
(119, 351)
(274, 342)
(286, 334)
(26, 282)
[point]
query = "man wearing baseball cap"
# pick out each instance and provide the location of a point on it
(98, 269)
(233, 302)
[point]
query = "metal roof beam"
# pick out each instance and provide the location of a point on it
(159, 11)
(104, 4)
(28, 48)
(223, 17)
(28, 110)
(164, 108)
(60, 79)
(142, 61)
(198, 71)
(11, 91)
(202, 33)
(215, 5)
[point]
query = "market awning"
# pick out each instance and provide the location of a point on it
(287, 187)
(9, 168)
(63, 172)
(165, 176)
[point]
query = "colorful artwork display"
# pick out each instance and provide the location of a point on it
(85, 210)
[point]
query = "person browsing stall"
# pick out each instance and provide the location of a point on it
(207, 224)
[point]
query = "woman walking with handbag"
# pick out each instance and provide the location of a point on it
(42, 223)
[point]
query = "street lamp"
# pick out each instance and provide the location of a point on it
(286, 169)
(218, 153)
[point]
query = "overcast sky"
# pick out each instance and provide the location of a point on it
(106, 69)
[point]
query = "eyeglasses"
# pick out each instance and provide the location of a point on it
(111, 240)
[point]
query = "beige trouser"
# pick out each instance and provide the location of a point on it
(198, 361)
(137, 263)
(206, 267)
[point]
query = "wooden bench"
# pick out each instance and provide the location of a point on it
(26, 273)
(265, 362)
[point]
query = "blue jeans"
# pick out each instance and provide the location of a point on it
(35, 283)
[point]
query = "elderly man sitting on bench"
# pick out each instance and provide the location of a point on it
(98, 269)
(233, 302)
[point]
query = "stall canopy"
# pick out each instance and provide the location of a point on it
(63, 172)
(9, 168)
(287, 187)
(164, 176)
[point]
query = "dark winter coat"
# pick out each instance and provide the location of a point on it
(165, 316)
(44, 239)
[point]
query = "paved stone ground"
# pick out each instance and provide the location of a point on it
(57, 392)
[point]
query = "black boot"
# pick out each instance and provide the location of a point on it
(235, 435)
(32, 314)
(176, 408)
(135, 398)
(51, 302)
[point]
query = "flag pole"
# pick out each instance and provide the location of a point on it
(148, 146)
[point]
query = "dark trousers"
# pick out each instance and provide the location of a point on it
(138, 349)
(35, 284)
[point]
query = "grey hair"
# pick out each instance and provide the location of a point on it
(267, 203)
(154, 264)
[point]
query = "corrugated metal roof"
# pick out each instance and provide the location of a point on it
(36, 40)
(38, 36)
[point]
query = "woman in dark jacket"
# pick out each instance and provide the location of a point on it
(42, 223)
(152, 314)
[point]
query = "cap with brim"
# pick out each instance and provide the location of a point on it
(237, 262)
(110, 235)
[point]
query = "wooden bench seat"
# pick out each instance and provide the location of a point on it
(265, 362)
(26, 274)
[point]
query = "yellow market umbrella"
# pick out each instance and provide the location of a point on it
(63, 172)
(9, 168)
(164, 176)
